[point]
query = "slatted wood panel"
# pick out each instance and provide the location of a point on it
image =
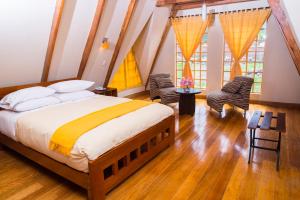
(281, 127)
(254, 120)
(266, 123)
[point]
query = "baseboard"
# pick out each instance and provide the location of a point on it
(275, 104)
(252, 101)
(145, 92)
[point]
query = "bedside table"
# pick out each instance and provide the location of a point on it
(107, 91)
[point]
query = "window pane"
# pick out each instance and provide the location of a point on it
(204, 47)
(259, 56)
(197, 75)
(256, 88)
(197, 83)
(179, 56)
(260, 45)
(203, 75)
(251, 56)
(227, 66)
(250, 67)
(227, 57)
(243, 66)
(197, 66)
(204, 57)
(197, 56)
(258, 77)
(179, 74)
(259, 67)
(179, 65)
(203, 83)
(226, 76)
(203, 65)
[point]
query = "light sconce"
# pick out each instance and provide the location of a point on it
(105, 43)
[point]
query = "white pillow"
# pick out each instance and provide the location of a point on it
(36, 103)
(71, 86)
(73, 96)
(10, 100)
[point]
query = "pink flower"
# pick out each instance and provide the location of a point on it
(186, 82)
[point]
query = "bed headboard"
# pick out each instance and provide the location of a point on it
(6, 90)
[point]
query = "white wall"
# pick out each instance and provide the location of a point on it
(292, 10)
(24, 34)
(73, 32)
(147, 44)
(110, 27)
(281, 82)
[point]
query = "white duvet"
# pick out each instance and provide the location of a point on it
(90, 145)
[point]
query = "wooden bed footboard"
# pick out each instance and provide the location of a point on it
(114, 166)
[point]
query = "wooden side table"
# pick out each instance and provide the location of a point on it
(107, 92)
(187, 100)
(266, 125)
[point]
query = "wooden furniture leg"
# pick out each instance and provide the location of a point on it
(278, 151)
(250, 146)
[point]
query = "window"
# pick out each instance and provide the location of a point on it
(198, 64)
(251, 64)
(128, 74)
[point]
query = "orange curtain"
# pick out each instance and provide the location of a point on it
(189, 32)
(240, 30)
(128, 75)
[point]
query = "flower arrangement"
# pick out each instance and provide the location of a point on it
(186, 82)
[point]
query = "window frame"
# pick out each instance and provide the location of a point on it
(193, 62)
(246, 61)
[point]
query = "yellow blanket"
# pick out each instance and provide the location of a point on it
(66, 136)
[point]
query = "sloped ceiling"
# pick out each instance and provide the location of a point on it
(24, 38)
(72, 35)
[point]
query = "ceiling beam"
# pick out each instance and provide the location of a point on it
(161, 43)
(123, 31)
(190, 4)
(52, 38)
(91, 38)
(280, 15)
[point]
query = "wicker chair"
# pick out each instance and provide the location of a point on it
(167, 95)
(217, 99)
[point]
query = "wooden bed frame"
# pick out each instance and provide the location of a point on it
(112, 167)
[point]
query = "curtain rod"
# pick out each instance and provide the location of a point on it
(215, 13)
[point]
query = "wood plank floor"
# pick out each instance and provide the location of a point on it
(208, 161)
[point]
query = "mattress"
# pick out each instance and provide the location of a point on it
(90, 145)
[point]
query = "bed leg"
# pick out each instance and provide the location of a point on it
(96, 182)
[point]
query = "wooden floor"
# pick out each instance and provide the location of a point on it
(208, 161)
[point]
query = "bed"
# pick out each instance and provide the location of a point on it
(97, 164)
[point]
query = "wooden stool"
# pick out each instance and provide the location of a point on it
(266, 125)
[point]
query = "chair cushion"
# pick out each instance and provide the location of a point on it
(167, 91)
(164, 83)
(232, 86)
(223, 96)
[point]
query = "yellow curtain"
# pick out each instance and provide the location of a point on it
(128, 75)
(189, 32)
(240, 30)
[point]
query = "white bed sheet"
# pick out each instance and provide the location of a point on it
(90, 146)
